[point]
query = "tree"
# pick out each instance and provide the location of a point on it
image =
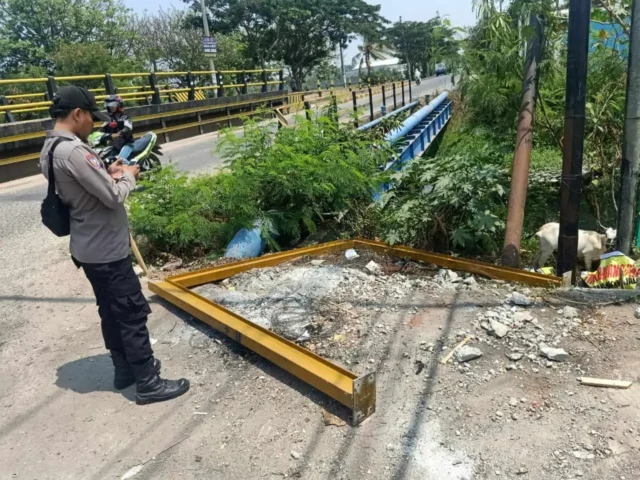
(168, 42)
(172, 40)
(298, 33)
(424, 44)
(90, 58)
(31, 31)
(370, 49)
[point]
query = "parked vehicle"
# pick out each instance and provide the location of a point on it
(441, 69)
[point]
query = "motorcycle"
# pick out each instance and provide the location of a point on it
(418, 81)
(145, 150)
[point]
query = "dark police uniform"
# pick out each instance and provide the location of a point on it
(99, 230)
(100, 241)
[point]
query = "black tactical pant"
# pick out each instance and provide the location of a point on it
(122, 308)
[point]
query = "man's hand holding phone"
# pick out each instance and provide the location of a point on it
(133, 169)
(115, 170)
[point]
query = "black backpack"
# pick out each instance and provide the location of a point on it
(54, 213)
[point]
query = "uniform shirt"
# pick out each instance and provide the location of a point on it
(99, 223)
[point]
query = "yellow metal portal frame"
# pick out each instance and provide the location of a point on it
(357, 393)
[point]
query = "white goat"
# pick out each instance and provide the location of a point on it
(590, 244)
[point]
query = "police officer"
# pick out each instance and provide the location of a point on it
(99, 242)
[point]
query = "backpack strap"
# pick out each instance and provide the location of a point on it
(52, 181)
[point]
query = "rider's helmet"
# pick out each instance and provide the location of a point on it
(114, 103)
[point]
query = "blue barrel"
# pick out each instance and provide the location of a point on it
(246, 244)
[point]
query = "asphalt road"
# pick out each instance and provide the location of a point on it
(198, 155)
(20, 200)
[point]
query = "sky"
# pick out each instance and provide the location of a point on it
(458, 11)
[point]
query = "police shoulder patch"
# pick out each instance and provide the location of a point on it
(93, 161)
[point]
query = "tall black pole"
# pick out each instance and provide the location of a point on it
(576, 97)
(631, 143)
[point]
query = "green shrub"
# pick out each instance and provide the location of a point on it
(292, 180)
(184, 216)
(450, 202)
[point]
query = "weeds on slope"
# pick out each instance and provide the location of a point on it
(296, 180)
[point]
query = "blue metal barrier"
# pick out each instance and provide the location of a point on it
(417, 133)
(370, 125)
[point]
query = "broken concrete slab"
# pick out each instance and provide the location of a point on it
(498, 329)
(374, 268)
(172, 266)
(351, 254)
(591, 296)
(470, 281)
(466, 354)
(555, 354)
(520, 300)
(522, 317)
(515, 356)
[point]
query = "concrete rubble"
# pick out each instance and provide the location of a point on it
(466, 354)
(349, 310)
(172, 266)
(519, 299)
(498, 329)
(555, 354)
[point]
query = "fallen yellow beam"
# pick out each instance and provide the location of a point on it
(357, 393)
(462, 264)
(208, 275)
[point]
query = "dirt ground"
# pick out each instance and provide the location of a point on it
(244, 418)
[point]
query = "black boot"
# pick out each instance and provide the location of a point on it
(123, 373)
(150, 388)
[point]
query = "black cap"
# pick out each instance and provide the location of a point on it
(69, 98)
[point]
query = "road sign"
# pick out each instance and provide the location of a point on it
(210, 45)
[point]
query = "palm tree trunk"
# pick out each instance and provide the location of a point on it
(368, 60)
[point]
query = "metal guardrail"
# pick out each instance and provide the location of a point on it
(152, 91)
(292, 100)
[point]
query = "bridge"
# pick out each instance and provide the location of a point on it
(211, 109)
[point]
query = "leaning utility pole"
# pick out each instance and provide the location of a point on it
(522, 153)
(576, 97)
(631, 142)
(205, 24)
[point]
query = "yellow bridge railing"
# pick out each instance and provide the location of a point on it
(150, 90)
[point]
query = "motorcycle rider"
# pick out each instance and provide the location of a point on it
(119, 128)
(417, 76)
